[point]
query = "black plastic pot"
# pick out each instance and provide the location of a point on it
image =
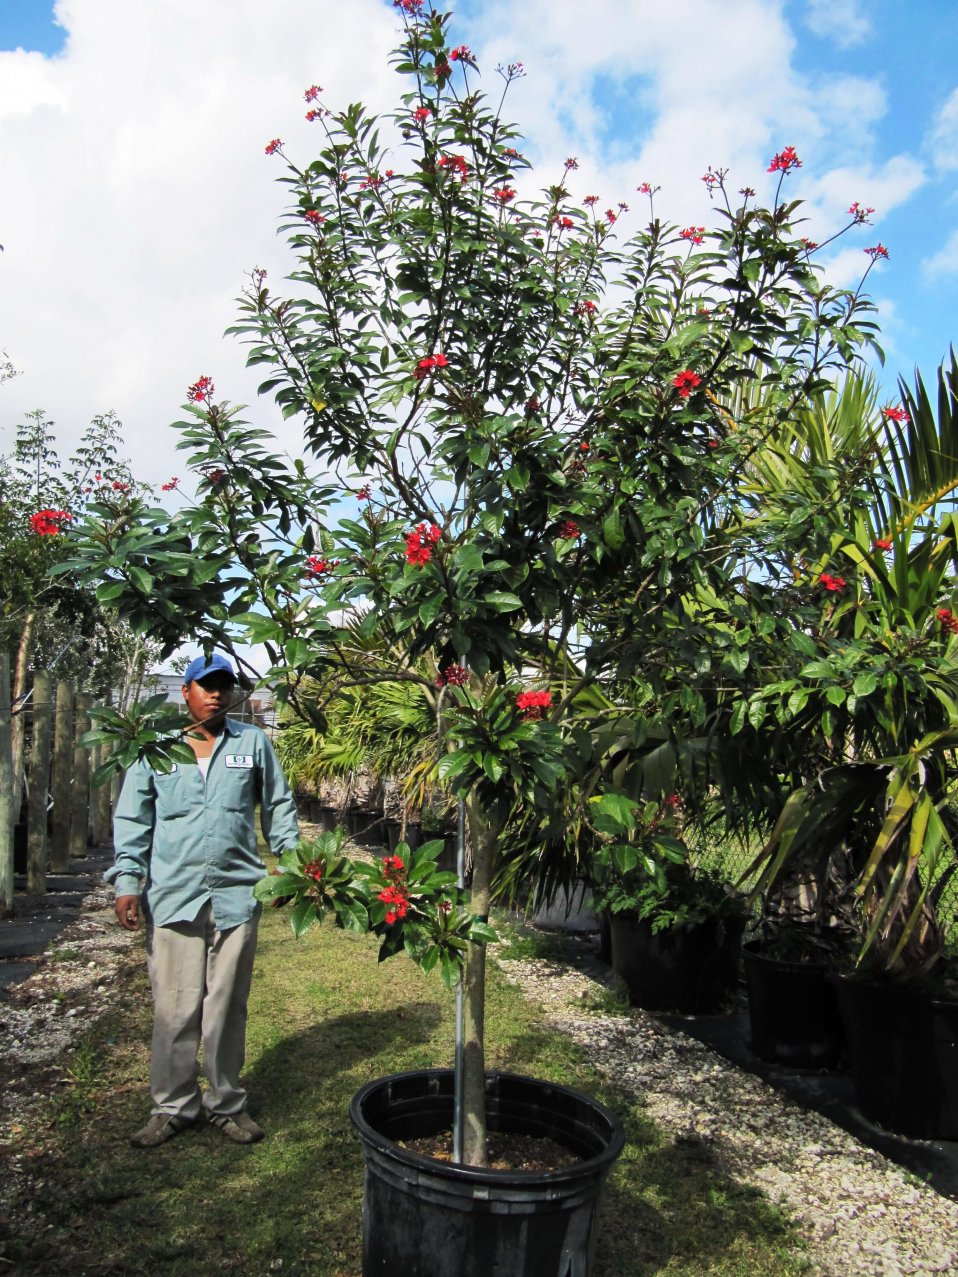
(426, 1218)
(793, 1011)
(903, 1047)
(689, 969)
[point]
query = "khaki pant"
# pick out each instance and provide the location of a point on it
(201, 980)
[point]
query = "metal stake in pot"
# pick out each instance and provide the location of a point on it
(457, 1112)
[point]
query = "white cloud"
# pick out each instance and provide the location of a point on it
(840, 20)
(945, 261)
(136, 193)
(943, 137)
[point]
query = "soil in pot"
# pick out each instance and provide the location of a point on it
(691, 969)
(903, 1046)
(793, 1011)
(427, 1218)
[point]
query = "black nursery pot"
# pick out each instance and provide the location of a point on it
(427, 1218)
(689, 969)
(904, 1057)
(793, 1011)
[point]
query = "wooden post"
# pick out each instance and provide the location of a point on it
(100, 803)
(7, 815)
(20, 677)
(37, 847)
(80, 797)
(62, 777)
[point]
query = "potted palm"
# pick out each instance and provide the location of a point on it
(519, 416)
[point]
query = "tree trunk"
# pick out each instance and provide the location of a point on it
(80, 801)
(62, 777)
(483, 837)
(7, 814)
(37, 842)
(19, 721)
(100, 803)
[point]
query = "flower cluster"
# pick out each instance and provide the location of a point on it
(412, 7)
(859, 212)
(876, 251)
(313, 870)
(461, 54)
(696, 234)
(585, 308)
(833, 583)
(685, 382)
(533, 704)
(273, 146)
(316, 565)
(419, 544)
(504, 194)
(364, 493)
(568, 530)
(395, 895)
(201, 390)
(216, 475)
(429, 364)
(785, 161)
(312, 93)
(421, 114)
(453, 676)
(171, 485)
(882, 543)
(948, 620)
(314, 217)
(47, 523)
(456, 164)
(893, 413)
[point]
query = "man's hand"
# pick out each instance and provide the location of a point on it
(128, 912)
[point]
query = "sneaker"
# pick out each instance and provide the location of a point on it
(160, 1128)
(238, 1127)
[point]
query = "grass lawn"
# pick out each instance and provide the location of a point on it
(325, 1018)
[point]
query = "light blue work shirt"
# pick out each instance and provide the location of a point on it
(180, 842)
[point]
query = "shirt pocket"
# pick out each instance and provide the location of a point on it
(237, 789)
(172, 797)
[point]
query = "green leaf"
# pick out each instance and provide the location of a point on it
(303, 916)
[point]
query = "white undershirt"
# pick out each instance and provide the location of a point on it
(204, 765)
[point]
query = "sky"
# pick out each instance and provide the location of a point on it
(137, 196)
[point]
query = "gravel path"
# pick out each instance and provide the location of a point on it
(862, 1215)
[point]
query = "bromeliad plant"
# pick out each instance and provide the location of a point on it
(522, 419)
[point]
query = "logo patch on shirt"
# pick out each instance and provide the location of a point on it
(244, 761)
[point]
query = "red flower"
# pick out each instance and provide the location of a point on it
(120, 487)
(948, 620)
(504, 194)
(364, 493)
(809, 244)
(315, 114)
(895, 414)
(457, 163)
(585, 308)
(859, 213)
(316, 565)
(785, 161)
(426, 365)
(412, 7)
(201, 390)
(533, 704)
(711, 443)
(392, 862)
(216, 476)
(879, 250)
(610, 216)
(371, 183)
(48, 523)
(419, 542)
(461, 54)
(532, 406)
(312, 93)
(171, 485)
(591, 199)
(881, 543)
(453, 676)
(421, 114)
(571, 163)
(833, 583)
(313, 870)
(565, 223)
(273, 147)
(645, 188)
(673, 801)
(569, 530)
(685, 382)
(583, 447)
(694, 233)
(314, 216)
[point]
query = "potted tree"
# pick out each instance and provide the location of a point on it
(527, 462)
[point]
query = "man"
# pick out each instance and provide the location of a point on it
(185, 845)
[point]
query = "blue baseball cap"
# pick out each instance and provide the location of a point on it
(199, 668)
